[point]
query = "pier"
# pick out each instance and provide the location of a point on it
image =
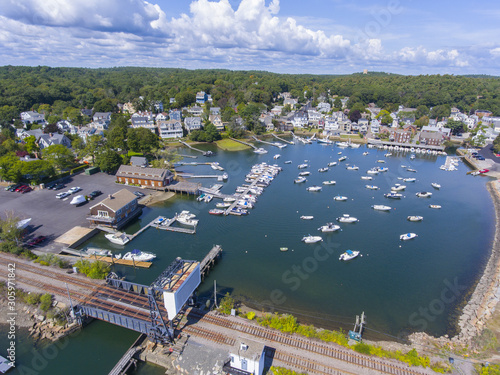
(404, 146)
(245, 143)
(166, 224)
(189, 188)
(268, 143)
(219, 177)
(189, 156)
(282, 140)
(205, 153)
(128, 360)
(208, 262)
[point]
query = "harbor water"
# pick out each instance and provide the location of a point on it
(402, 286)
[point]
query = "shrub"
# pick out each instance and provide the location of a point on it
(32, 299)
(275, 370)
(45, 302)
(94, 270)
(226, 304)
(250, 315)
(362, 348)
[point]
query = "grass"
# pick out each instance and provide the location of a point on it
(230, 145)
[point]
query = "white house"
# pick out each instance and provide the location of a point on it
(324, 107)
(313, 115)
(143, 122)
(217, 121)
(300, 119)
(246, 355)
(102, 117)
(331, 125)
(32, 117)
(276, 111)
(170, 129)
(192, 123)
(47, 140)
(196, 110)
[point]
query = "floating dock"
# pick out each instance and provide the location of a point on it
(167, 225)
(219, 177)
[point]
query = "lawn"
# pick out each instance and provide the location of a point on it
(230, 145)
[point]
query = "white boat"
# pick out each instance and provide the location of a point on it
(277, 156)
(366, 177)
(225, 176)
(398, 188)
(331, 182)
(352, 168)
(102, 252)
(365, 153)
(299, 180)
(342, 158)
(354, 145)
(23, 223)
(79, 199)
(159, 221)
(423, 194)
(345, 218)
(323, 169)
(208, 198)
(380, 161)
(388, 154)
(393, 195)
(415, 218)
(372, 187)
(139, 256)
(229, 199)
(411, 170)
(314, 188)
(223, 205)
(216, 211)
(382, 169)
(311, 239)
(412, 156)
(436, 206)
(260, 151)
(340, 198)
(329, 227)
(117, 238)
(381, 207)
(305, 173)
(302, 166)
(435, 185)
(244, 204)
(372, 171)
(348, 255)
(409, 179)
(288, 162)
(332, 164)
(305, 217)
(407, 236)
(342, 144)
(186, 218)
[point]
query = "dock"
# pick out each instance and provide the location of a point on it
(268, 143)
(189, 156)
(215, 192)
(245, 143)
(167, 225)
(209, 260)
(189, 188)
(282, 140)
(205, 153)
(128, 360)
(121, 262)
(193, 164)
(219, 177)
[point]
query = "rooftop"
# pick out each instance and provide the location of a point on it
(117, 200)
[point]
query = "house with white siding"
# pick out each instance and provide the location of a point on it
(246, 357)
(192, 123)
(170, 129)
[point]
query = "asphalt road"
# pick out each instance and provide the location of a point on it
(51, 217)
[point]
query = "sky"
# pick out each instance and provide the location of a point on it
(288, 36)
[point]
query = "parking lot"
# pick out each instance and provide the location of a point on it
(52, 217)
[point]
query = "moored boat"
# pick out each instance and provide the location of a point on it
(381, 207)
(314, 188)
(303, 165)
(305, 173)
(348, 255)
(352, 168)
(366, 177)
(415, 218)
(288, 162)
(436, 206)
(332, 163)
(393, 195)
(311, 239)
(331, 182)
(323, 169)
(408, 236)
(345, 218)
(372, 187)
(329, 227)
(340, 198)
(300, 179)
(102, 252)
(139, 256)
(306, 217)
(216, 211)
(342, 158)
(409, 179)
(423, 194)
(117, 238)
(435, 185)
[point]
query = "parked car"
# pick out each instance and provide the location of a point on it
(50, 185)
(20, 188)
(139, 194)
(11, 186)
(27, 189)
(74, 189)
(95, 193)
(62, 195)
(37, 240)
(58, 186)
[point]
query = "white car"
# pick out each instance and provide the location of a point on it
(74, 189)
(62, 195)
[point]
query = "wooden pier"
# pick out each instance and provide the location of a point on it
(121, 262)
(268, 143)
(128, 360)
(245, 143)
(184, 187)
(167, 225)
(282, 140)
(209, 260)
(205, 153)
(189, 156)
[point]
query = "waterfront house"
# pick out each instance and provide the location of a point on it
(431, 138)
(102, 116)
(246, 357)
(276, 111)
(300, 119)
(267, 121)
(170, 129)
(192, 123)
(400, 136)
(215, 110)
(217, 121)
(175, 114)
(483, 113)
(143, 122)
(162, 116)
(195, 110)
(324, 107)
(154, 178)
(116, 210)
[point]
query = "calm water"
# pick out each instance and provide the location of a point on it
(401, 286)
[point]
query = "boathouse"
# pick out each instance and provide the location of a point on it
(116, 210)
(153, 178)
(245, 357)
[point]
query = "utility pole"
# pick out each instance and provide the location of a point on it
(215, 293)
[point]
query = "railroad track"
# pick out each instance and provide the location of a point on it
(311, 346)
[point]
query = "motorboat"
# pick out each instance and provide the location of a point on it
(372, 171)
(407, 236)
(411, 170)
(215, 165)
(288, 162)
(260, 151)
(216, 211)
(305, 173)
(305, 217)
(342, 158)
(409, 179)
(380, 161)
(423, 194)
(237, 211)
(398, 187)
(366, 177)
(117, 238)
(208, 198)
(22, 224)
(225, 176)
(186, 218)
(415, 218)
(482, 171)
(303, 165)
(372, 187)
(229, 199)
(435, 185)
(436, 206)
(102, 252)
(331, 182)
(323, 169)
(348, 255)
(139, 256)
(342, 144)
(345, 218)
(382, 169)
(354, 145)
(311, 239)
(283, 248)
(381, 207)
(159, 220)
(365, 153)
(393, 195)
(78, 200)
(277, 156)
(329, 227)
(332, 164)
(352, 168)
(223, 205)
(299, 179)
(314, 188)
(388, 154)
(340, 198)
(201, 197)
(412, 156)
(242, 203)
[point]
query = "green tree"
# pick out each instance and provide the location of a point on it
(212, 133)
(117, 138)
(226, 304)
(385, 117)
(457, 127)
(37, 170)
(7, 114)
(422, 110)
(141, 140)
(235, 129)
(105, 105)
(10, 167)
(31, 145)
(337, 104)
(108, 160)
(94, 144)
(59, 156)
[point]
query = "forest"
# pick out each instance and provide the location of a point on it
(61, 92)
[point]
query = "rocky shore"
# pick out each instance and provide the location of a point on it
(485, 297)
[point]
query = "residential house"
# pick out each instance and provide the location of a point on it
(162, 116)
(85, 132)
(431, 138)
(171, 100)
(201, 97)
(143, 122)
(64, 126)
(324, 107)
(276, 111)
(116, 210)
(363, 122)
(217, 121)
(300, 119)
(102, 117)
(267, 121)
(291, 102)
(215, 110)
(33, 117)
(313, 115)
(192, 123)
(158, 106)
(375, 126)
(139, 161)
(175, 114)
(22, 134)
(483, 113)
(86, 112)
(195, 110)
(400, 136)
(331, 125)
(345, 126)
(47, 140)
(446, 132)
(246, 357)
(128, 107)
(170, 129)
(344, 101)
(154, 178)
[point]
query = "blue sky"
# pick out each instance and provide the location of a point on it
(313, 36)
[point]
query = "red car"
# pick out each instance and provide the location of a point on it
(484, 170)
(37, 240)
(27, 189)
(20, 188)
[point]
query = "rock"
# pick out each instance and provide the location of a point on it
(40, 318)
